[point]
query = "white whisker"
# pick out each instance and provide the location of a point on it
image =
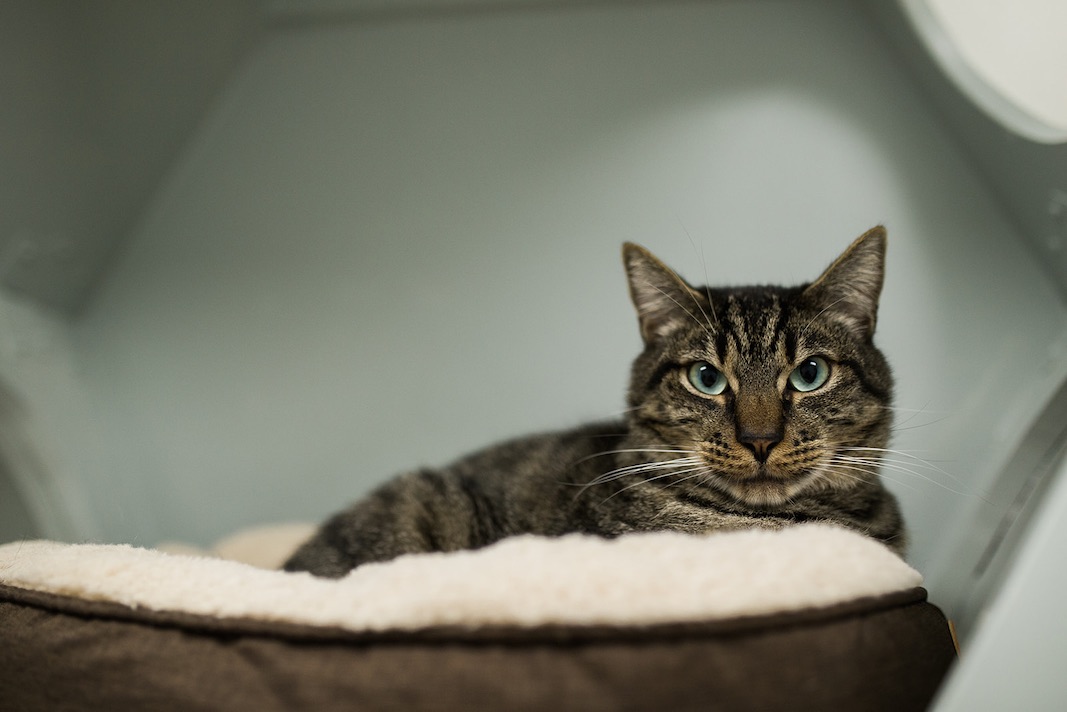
(898, 429)
(634, 449)
(844, 470)
(705, 472)
(642, 467)
(704, 264)
(652, 479)
(900, 409)
(919, 461)
(670, 466)
(877, 463)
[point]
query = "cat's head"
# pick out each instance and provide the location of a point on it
(775, 391)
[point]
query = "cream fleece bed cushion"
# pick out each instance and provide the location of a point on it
(809, 617)
(528, 581)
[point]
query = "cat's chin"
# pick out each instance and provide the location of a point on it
(764, 490)
(761, 494)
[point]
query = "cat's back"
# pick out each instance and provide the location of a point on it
(556, 457)
(527, 485)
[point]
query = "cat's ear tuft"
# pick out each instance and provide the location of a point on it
(849, 289)
(664, 301)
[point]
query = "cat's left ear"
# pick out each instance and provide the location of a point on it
(848, 290)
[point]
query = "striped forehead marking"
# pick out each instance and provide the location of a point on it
(755, 329)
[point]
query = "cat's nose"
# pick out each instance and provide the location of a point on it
(760, 445)
(759, 421)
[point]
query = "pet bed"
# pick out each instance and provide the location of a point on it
(809, 617)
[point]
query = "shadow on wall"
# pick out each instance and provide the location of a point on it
(24, 501)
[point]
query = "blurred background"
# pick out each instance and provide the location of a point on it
(256, 257)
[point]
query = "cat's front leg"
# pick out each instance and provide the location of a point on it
(421, 512)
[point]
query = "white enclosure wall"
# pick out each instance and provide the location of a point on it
(397, 239)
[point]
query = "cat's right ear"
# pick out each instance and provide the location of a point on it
(664, 301)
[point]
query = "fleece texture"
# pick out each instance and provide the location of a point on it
(639, 579)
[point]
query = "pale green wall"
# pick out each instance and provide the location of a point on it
(395, 241)
(50, 449)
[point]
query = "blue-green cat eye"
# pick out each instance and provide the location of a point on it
(812, 373)
(706, 378)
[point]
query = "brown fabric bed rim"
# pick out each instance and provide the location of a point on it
(295, 632)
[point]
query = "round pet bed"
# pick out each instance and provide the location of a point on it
(809, 617)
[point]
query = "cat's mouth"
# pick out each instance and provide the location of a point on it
(771, 482)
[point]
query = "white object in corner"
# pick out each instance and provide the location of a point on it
(1014, 660)
(1008, 56)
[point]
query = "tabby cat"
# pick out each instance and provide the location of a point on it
(749, 407)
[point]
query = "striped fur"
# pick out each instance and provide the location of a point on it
(762, 453)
